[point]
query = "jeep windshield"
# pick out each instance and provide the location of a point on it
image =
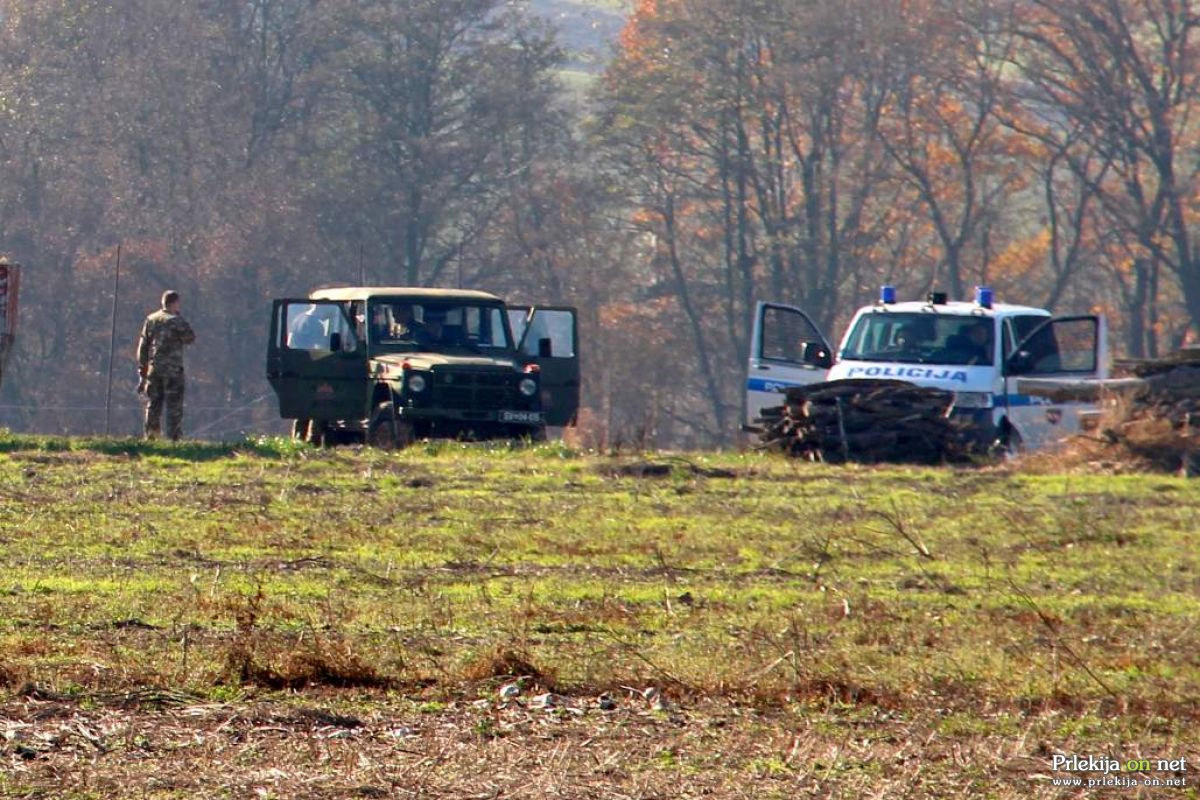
(922, 338)
(409, 326)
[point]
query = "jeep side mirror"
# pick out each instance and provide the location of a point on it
(1020, 363)
(814, 353)
(545, 347)
(335, 341)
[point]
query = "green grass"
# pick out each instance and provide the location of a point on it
(987, 605)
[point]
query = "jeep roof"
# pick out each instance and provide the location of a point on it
(362, 292)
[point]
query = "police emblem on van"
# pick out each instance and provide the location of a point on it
(1054, 415)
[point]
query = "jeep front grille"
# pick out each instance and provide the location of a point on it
(473, 391)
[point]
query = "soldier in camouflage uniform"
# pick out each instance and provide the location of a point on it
(160, 364)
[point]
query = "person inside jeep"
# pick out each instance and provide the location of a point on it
(309, 329)
(433, 330)
(405, 326)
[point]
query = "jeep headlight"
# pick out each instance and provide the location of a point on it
(528, 387)
(972, 399)
(416, 384)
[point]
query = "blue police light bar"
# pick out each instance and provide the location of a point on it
(887, 294)
(984, 296)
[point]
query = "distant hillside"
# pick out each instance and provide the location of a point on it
(587, 29)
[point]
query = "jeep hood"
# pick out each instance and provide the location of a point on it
(428, 361)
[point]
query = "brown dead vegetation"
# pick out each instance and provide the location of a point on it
(664, 469)
(260, 657)
(333, 664)
(1152, 428)
(506, 662)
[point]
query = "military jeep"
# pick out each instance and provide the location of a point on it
(387, 365)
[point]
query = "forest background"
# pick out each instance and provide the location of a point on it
(661, 165)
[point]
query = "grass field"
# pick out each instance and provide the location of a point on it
(268, 620)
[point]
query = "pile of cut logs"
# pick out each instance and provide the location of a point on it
(867, 421)
(1169, 388)
(1161, 421)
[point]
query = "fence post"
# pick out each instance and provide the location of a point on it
(112, 342)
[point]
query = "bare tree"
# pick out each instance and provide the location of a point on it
(442, 105)
(1123, 73)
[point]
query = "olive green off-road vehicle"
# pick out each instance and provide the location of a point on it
(387, 365)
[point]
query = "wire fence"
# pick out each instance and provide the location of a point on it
(224, 422)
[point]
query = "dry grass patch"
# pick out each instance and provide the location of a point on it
(505, 662)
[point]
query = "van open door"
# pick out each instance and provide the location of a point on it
(316, 361)
(786, 349)
(1043, 374)
(548, 336)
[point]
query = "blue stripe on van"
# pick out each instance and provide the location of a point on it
(770, 385)
(1017, 400)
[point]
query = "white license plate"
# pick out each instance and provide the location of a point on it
(520, 416)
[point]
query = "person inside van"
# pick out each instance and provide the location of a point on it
(911, 337)
(972, 346)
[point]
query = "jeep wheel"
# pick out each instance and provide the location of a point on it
(313, 431)
(386, 435)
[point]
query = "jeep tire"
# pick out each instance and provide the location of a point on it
(314, 431)
(380, 431)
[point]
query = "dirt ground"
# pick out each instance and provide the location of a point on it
(161, 745)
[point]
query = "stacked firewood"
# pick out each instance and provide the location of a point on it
(1169, 388)
(1160, 422)
(867, 421)
(1149, 367)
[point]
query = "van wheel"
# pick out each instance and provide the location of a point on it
(380, 431)
(1009, 443)
(300, 429)
(538, 435)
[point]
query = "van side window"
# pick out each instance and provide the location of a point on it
(1017, 328)
(784, 333)
(1067, 345)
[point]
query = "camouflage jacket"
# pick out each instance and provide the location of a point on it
(163, 338)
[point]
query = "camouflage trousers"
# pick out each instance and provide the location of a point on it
(164, 389)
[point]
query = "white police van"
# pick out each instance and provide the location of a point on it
(1007, 365)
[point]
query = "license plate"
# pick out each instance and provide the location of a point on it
(520, 416)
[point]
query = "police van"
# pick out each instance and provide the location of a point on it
(1011, 368)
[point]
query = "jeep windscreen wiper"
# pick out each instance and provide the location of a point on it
(400, 325)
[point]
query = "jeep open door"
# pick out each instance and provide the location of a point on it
(547, 336)
(316, 361)
(1044, 374)
(786, 349)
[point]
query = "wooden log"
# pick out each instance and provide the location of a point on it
(866, 420)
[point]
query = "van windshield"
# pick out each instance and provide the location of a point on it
(399, 325)
(922, 338)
